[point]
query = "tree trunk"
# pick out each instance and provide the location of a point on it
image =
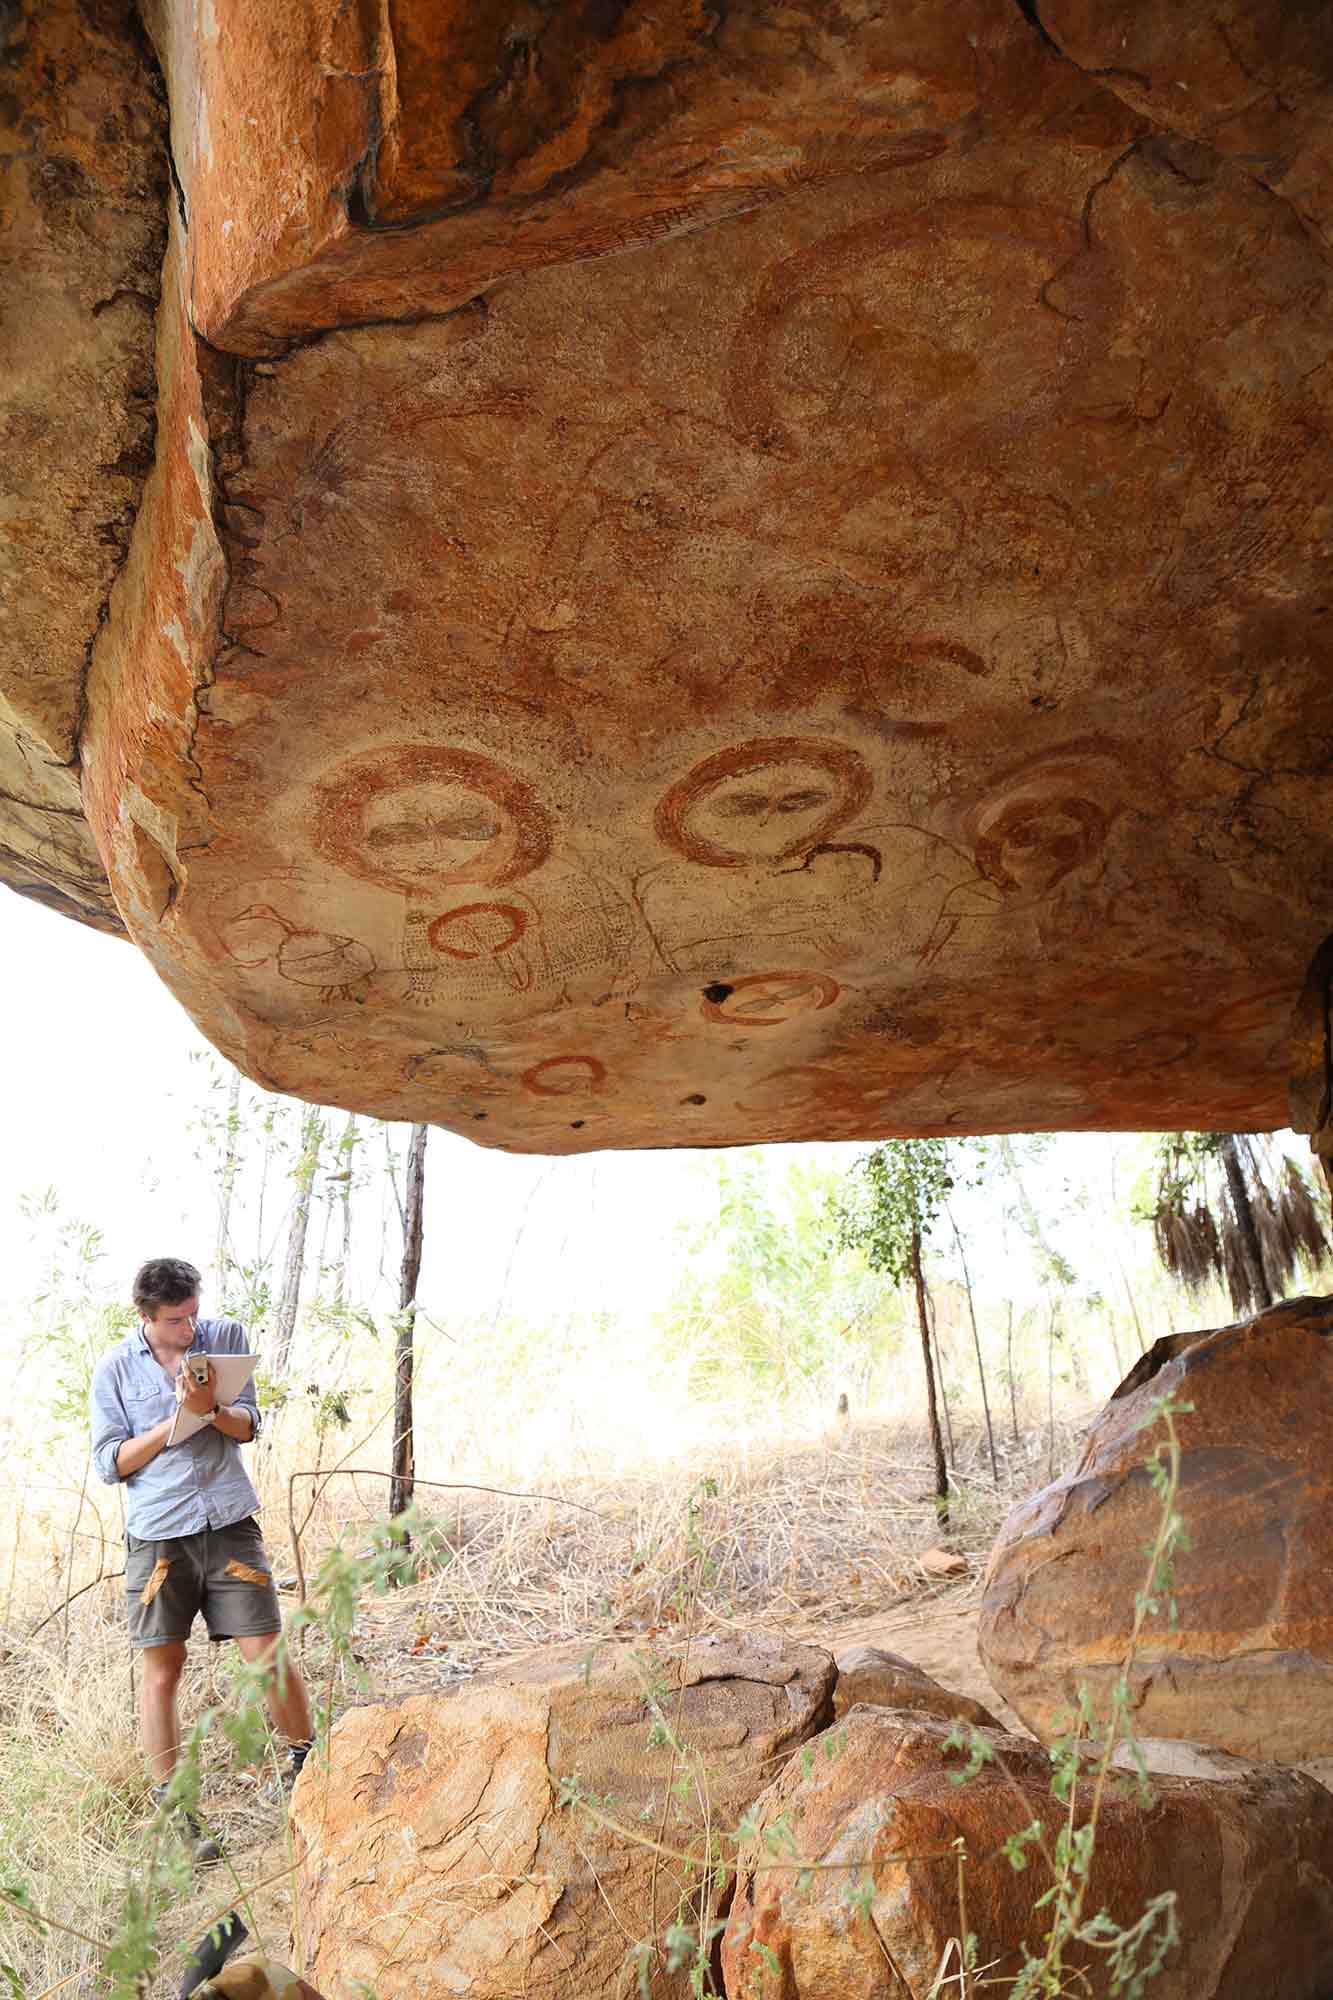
(1133, 1306)
(1251, 1250)
(1115, 1346)
(404, 1461)
(1050, 1395)
(932, 1406)
(976, 1342)
(307, 1166)
(940, 1383)
(346, 1155)
(227, 1182)
(1009, 1370)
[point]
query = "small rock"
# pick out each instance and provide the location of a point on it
(256, 1979)
(943, 1562)
(887, 1680)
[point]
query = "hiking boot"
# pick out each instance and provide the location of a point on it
(201, 1845)
(212, 1952)
(278, 1789)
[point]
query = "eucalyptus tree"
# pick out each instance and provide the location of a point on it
(886, 1208)
(403, 1460)
(303, 1177)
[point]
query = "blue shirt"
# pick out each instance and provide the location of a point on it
(197, 1484)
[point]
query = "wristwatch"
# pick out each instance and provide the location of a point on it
(216, 1411)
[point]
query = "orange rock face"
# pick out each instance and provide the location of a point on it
(439, 1854)
(867, 1674)
(83, 180)
(1248, 1665)
(1249, 1856)
(732, 574)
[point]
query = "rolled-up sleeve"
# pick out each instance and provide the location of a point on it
(231, 1339)
(110, 1425)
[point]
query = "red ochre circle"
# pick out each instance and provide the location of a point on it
(564, 1076)
(509, 912)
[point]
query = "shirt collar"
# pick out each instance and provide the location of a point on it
(141, 1341)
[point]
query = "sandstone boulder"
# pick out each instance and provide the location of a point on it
(437, 1858)
(887, 1680)
(1248, 1664)
(1250, 1859)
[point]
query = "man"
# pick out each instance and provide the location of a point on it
(192, 1541)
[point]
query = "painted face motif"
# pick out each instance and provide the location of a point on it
(1034, 843)
(422, 816)
(761, 815)
(436, 833)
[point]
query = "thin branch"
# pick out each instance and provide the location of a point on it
(106, 1576)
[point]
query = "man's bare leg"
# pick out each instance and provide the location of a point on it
(288, 1702)
(159, 1723)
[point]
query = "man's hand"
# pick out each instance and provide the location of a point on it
(196, 1397)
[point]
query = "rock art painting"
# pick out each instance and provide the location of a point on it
(750, 576)
(455, 834)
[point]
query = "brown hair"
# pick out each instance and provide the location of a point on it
(163, 1281)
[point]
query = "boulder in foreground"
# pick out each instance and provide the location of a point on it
(1249, 1856)
(1248, 1665)
(437, 1858)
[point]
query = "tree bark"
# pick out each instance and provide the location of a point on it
(1247, 1235)
(932, 1405)
(951, 1456)
(346, 1155)
(227, 1181)
(403, 1463)
(976, 1342)
(1050, 1395)
(307, 1166)
(1009, 1370)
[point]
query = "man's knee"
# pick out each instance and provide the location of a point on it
(163, 1666)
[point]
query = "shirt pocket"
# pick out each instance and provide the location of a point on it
(146, 1406)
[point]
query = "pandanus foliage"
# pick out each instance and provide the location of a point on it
(1229, 1206)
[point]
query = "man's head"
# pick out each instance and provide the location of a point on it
(166, 1297)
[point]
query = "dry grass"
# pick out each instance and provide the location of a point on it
(782, 1530)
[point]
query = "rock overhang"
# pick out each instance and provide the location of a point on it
(777, 589)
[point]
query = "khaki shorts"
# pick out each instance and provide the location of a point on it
(223, 1572)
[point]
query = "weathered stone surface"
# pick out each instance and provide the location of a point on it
(867, 1674)
(83, 179)
(1253, 82)
(1250, 1857)
(435, 1856)
(1249, 1664)
(731, 575)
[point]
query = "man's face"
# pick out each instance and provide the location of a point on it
(173, 1326)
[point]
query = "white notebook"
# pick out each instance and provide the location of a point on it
(231, 1372)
